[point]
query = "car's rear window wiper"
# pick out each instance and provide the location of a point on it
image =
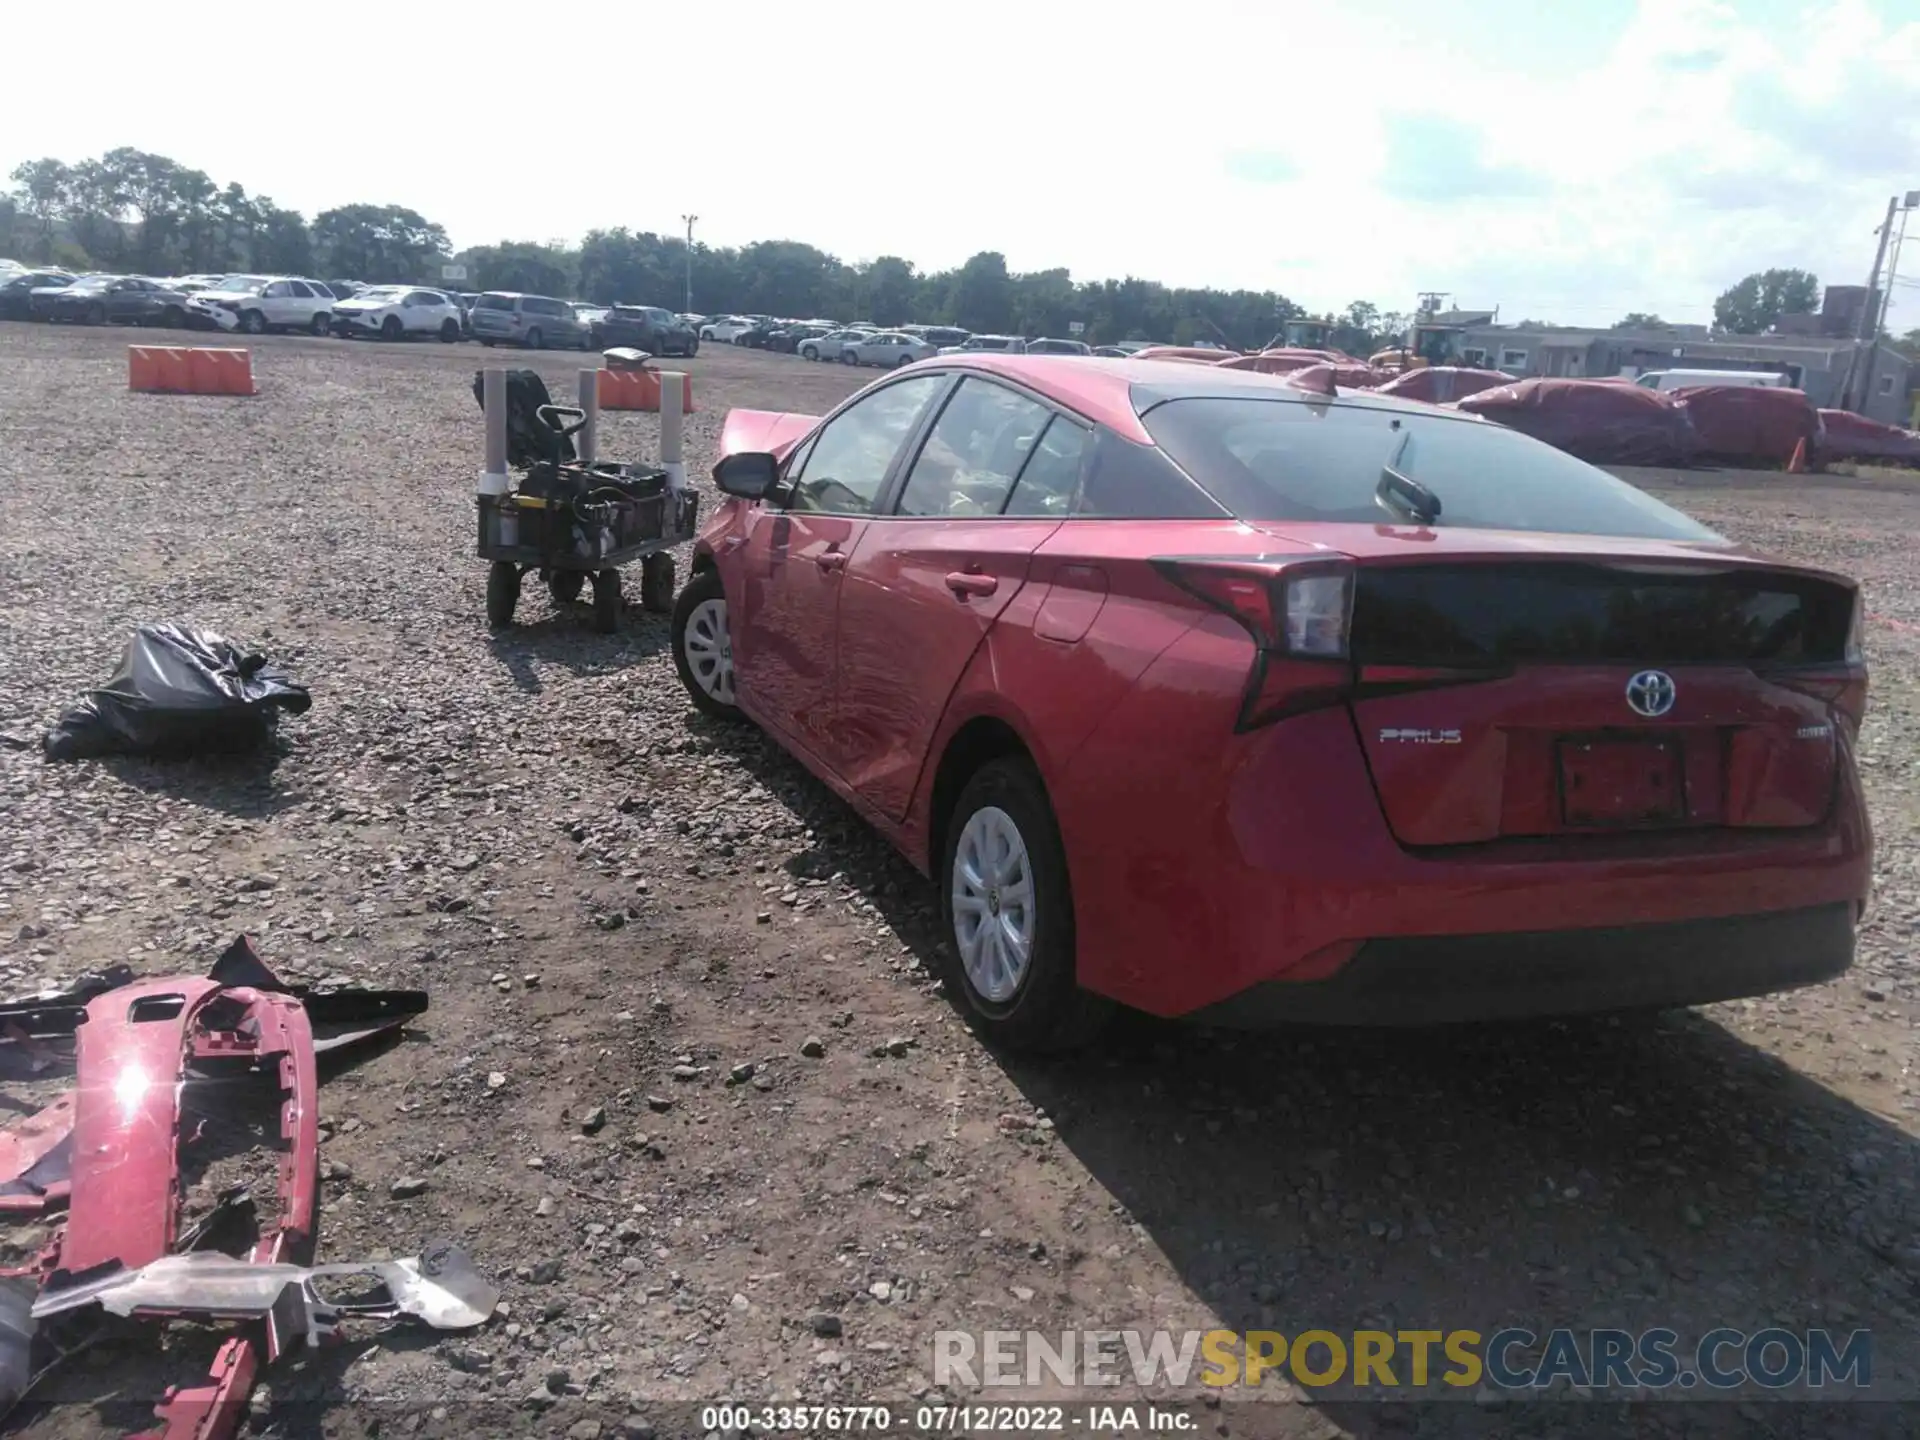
(1403, 495)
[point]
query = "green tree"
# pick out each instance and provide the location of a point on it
(1755, 305)
(981, 295)
(282, 244)
(94, 208)
(522, 265)
(1639, 320)
(40, 188)
(380, 243)
(889, 291)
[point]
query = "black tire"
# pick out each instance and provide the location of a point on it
(606, 601)
(391, 328)
(693, 348)
(703, 587)
(449, 332)
(903, 360)
(486, 344)
(503, 593)
(252, 322)
(809, 352)
(656, 583)
(565, 585)
(533, 338)
(1047, 1011)
(321, 323)
(173, 317)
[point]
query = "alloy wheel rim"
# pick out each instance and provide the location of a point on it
(993, 904)
(709, 650)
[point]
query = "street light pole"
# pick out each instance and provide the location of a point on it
(689, 219)
(1879, 296)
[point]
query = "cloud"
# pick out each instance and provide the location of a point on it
(1261, 167)
(1440, 160)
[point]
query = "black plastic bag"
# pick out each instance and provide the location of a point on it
(178, 691)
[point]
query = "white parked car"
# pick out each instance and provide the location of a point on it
(274, 302)
(829, 346)
(203, 312)
(727, 328)
(890, 349)
(399, 312)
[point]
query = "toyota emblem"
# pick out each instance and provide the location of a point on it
(1650, 693)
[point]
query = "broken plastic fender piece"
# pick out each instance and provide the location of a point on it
(439, 1286)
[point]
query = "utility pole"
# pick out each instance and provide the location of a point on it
(1877, 313)
(1868, 329)
(689, 219)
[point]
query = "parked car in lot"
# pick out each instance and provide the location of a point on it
(759, 335)
(726, 327)
(889, 349)
(1057, 347)
(111, 300)
(789, 338)
(827, 346)
(274, 302)
(538, 322)
(987, 344)
(1210, 697)
(345, 289)
(17, 287)
(399, 312)
(648, 328)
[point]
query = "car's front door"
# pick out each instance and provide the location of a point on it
(797, 547)
(123, 301)
(277, 303)
(994, 478)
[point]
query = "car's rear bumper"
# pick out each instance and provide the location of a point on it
(1448, 979)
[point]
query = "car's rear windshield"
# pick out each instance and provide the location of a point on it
(495, 302)
(1286, 459)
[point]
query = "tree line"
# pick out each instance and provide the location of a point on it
(136, 211)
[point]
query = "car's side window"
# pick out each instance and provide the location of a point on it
(975, 450)
(843, 472)
(299, 290)
(278, 290)
(1051, 475)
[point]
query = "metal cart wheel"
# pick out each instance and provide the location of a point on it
(503, 593)
(606, 601)
(565, 586)
(656, 583)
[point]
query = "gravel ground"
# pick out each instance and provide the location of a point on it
(686, 1089)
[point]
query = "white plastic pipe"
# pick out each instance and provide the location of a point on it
(493, 403)
(587, 442)
(673, 390)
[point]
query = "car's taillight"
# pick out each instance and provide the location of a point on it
(1842, 687)
(1299, 611)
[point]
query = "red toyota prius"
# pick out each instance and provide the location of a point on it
(1211, 696)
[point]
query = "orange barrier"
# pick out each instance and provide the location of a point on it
(1797, 464)
(639, 390)
(184, 370)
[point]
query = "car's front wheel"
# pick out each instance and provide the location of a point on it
(809, 352)
(533, 338)
(253, 322)
(321, 323)
(703, 646)
(1005, 892)
(391, 328)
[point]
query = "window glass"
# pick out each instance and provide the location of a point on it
(278, 290)
(848, 464)
(300, 291)
(974, 451)
(1052, 472)
(1285, 460)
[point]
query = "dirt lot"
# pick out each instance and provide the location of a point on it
(619, 908)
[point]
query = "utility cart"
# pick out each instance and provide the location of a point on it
(571, 518)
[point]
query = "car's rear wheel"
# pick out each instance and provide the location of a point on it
(693, 348)
(1008, 904)
(449, 331)
(533, 338)
(703, 646)
(320, 323)
(391, 328)
(903, 360)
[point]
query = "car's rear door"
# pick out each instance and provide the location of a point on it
(991, 481)
(781, 611)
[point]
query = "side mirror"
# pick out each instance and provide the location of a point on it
(750, 474)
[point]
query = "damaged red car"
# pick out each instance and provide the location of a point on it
(1210, 696)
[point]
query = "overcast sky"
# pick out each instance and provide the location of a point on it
(1567, 160)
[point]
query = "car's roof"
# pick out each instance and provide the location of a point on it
(1115, 392)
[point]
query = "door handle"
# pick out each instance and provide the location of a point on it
(830, 561)
(968, 582)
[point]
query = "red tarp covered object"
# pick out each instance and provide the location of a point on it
(1443, 384)
(1749, 422)
(1847, 436)
(1594, 419)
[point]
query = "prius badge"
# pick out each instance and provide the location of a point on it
(1650, 693)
